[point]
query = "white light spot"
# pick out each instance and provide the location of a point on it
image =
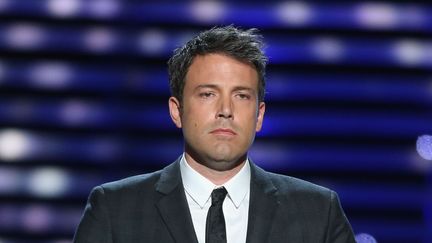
(103, 8)
(377, 15)
(294, 13)
(152, 41)
(99, 39)
(51, 75)
(207, 11)
(14, 145)
(48, 182)
(328, 49)
(424, 146)
(365, 238)
(63, 8)
(75, 112)
(409, 52)
(24, 36)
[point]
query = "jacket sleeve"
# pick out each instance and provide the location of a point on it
(339, 229)
(94, 226)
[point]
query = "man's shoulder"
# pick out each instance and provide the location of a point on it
(285, 181)
(295, 187)
(131, 183)
(143, 182)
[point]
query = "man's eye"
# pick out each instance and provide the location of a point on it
(206, 94)
(243, 96)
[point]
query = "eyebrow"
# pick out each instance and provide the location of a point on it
(213, 86)
(202, 86)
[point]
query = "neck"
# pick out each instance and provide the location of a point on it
(215, 176)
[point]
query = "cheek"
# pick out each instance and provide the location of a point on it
(250, 116)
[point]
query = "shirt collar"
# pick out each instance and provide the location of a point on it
(200, 188)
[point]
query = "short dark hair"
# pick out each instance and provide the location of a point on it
(243, 45)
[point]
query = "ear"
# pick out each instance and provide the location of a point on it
(260, 118)
(174, 109)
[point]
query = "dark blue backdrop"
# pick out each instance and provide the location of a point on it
(83, 101)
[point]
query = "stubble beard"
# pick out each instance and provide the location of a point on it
(219, 160)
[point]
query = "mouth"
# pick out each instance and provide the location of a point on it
(223, 131)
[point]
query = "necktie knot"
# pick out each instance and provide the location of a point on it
(218, 195)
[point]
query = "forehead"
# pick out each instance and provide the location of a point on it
(221, 69)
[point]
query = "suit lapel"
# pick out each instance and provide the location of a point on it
(173, 206)
(262, 207)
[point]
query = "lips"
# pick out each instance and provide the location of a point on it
(223, 131)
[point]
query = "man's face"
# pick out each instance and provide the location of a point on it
(220, 112)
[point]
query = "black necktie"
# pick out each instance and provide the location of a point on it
(215, 226)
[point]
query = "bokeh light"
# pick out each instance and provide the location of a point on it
(409, 52)
(377, 15)
(152, 41)
(294, 13)
(14, 145)
(25, 36)
(99, 39)
(63, 8)
(365, 238)
(328, 49)
(48, 182)
(424, 146)
(207, 10)
(52, 75)
(103, 8)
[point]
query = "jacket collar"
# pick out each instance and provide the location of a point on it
(172, 205)
(262, 205)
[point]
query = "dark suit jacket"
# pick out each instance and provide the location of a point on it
(152, 208)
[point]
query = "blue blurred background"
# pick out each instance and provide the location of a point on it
(84, 89)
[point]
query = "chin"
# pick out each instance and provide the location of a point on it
(224, 150)
(223, 162)
(223, 165)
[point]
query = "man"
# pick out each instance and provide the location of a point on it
(214, 192)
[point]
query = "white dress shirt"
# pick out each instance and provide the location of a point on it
(198, 190)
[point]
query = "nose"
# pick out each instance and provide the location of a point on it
(225, 108)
